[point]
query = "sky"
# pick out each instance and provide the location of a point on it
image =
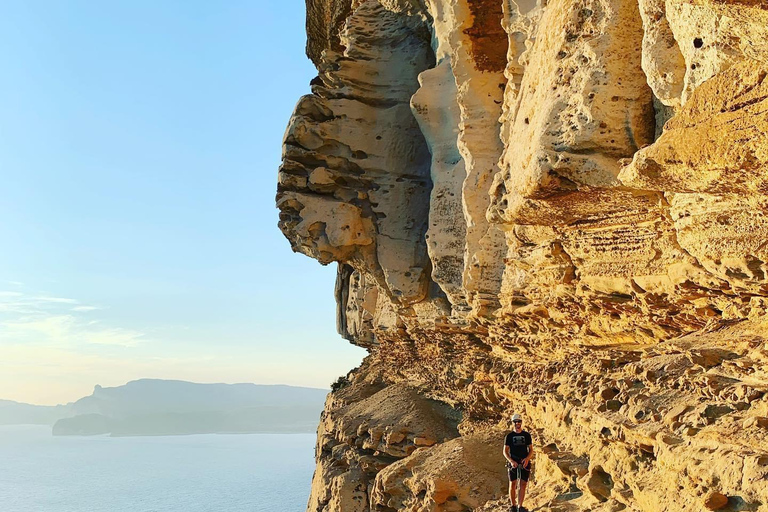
(139, 147)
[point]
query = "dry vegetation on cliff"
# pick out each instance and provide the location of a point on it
(555, 207)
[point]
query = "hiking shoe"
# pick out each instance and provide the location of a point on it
(522, 509)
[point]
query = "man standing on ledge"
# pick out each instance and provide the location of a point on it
(518, 450)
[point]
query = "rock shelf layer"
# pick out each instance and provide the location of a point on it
(551, 207)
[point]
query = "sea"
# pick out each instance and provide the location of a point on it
(197, 473)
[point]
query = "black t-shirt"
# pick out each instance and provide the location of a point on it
(518, 444)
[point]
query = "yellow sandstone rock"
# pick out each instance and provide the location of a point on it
(557, 208)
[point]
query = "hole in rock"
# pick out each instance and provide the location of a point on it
(737, 503)
(550, 448)
(600, 484)
(698, 42)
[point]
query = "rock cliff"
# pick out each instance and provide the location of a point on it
(558, 208)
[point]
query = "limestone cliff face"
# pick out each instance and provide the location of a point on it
(553, 207)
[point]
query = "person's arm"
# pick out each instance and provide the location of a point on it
(508, 456)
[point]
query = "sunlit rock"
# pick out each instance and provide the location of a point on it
(553, 208)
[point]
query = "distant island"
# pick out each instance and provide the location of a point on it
(150, 407)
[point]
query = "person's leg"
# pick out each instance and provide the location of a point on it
(521, 497)
(513, 479)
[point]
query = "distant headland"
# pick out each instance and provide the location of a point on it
(148, 407)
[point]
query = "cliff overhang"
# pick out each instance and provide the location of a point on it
(557, 208)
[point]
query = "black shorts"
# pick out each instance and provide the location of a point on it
(525, 474)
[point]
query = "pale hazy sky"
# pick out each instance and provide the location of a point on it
(139, 146)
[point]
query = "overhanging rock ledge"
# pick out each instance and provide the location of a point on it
(553, 207)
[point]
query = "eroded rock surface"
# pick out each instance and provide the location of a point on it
(557, 208)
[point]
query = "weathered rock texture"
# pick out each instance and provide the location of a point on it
(553, 207)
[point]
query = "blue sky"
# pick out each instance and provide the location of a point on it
(139, 146)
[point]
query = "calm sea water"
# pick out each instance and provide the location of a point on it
(200, 473)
